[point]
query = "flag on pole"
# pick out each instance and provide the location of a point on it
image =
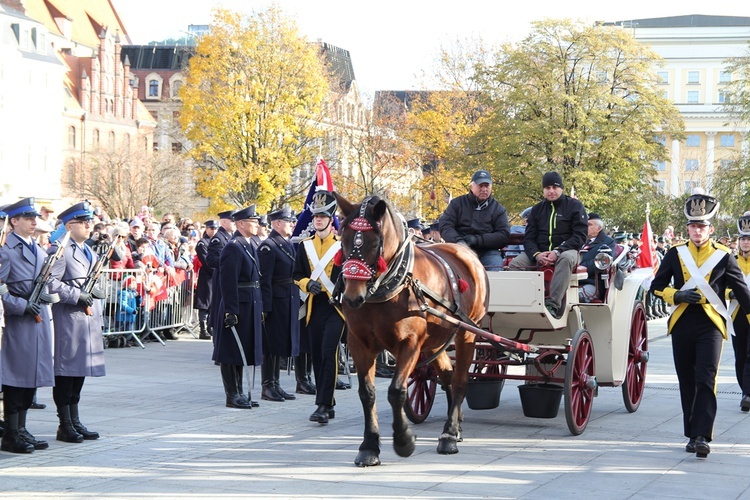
(321, 182)
(647, 258)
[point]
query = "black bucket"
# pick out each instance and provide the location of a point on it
(483, 394)
(540, 400)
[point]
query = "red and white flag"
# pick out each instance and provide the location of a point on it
(647, 257)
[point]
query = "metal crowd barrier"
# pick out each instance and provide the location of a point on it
(140, 302)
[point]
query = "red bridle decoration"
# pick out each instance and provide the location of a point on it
(360, 224)
(356, 270)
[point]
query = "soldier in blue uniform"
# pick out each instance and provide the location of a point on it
(737, 324)
(240, 309)
(702, 271)
(203, 291)
(79, 348)
(281, 302)
(27, 359)
(213, 255)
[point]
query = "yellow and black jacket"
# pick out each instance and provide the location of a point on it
(303, 268)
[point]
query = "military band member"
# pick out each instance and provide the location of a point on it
(738, 326)
(240, 309)
(79, 348)
(702, 270)
(316, 274)
(27, 361)
(213, 256)
(203, 292)
(280, 302)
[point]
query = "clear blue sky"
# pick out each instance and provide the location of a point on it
(393, 42)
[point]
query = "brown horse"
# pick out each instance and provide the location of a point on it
(385, 279)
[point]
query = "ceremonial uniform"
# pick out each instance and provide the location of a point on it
(204, 288)
(280, 305)
(316, 274)
(738, 326)
(697, 325)
(27, 349)
(213, 256)
(240, 310)
(79, 347)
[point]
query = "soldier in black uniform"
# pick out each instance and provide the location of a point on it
(280, 302)
(203, 292)
(702, 270)
(213, 255)
(240, 309)
(315, 274)
(737, 325)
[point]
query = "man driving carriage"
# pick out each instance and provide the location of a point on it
(557, 228)
(479, 221)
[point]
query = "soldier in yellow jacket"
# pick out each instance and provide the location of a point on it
(738, 326)
(702, 271)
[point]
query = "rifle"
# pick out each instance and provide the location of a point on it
(39, 295)
(89, 284)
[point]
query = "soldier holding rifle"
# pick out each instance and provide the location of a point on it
(27, 361)
(79, 349)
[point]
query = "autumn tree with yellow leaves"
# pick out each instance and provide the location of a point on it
(251, 108)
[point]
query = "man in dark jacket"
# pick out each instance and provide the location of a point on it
(478, 221)
(556, 231)
(203, 292)
(213, 255)
(589, 288)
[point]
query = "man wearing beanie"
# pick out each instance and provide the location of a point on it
(478, 221)
(557, 229)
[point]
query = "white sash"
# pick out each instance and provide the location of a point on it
(318, 272)
(698, 277)
(733, 305)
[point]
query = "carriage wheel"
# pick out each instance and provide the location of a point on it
(635, 373)
(420, 392)
(580, 382)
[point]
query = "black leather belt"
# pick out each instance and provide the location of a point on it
(287, 281)
(248, 284)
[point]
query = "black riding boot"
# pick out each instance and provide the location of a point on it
(26, 435)
(304, 385)
(79, 427)
(66, 432)
(238, 374)
(204, 331)
(12, 440)
(267, 369)
(276, 373)
(235, 398)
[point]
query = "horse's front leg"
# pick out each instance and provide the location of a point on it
(369, 449)
(403, 438)
(448, 442)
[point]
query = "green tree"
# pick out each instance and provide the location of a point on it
(251, 108)
(578, 99)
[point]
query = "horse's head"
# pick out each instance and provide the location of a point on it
(370, 236)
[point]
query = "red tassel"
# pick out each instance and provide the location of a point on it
(382, 265)
(338, 257)
(462, 285)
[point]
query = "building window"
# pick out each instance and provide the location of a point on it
(153, 88)
(95, 139)
(72, 137)
(661, 186)
(693, 141)
(156, 146)
(111, 142)
(690, 186)
(694, 77)
(727, 140)
(662, 77)
(725, 164)
(723, 97)
(693, 96)
(665, 95)
(145, 144)
(691, 165)
(176, 86)
(661, 166)
(176, 147)
(176, 116)
(725, 77)
(660, 139)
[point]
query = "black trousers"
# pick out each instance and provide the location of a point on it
(696, 349)
(741, 348)
(67, 390)
(325, 328)
(17, 399)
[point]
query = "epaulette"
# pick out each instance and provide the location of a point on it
(719, 246)
(679, 244)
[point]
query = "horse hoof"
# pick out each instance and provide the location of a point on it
(447, 445)
(405, 446)
(367, 459)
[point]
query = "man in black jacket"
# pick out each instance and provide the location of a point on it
(556, 231)
(478, 221)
